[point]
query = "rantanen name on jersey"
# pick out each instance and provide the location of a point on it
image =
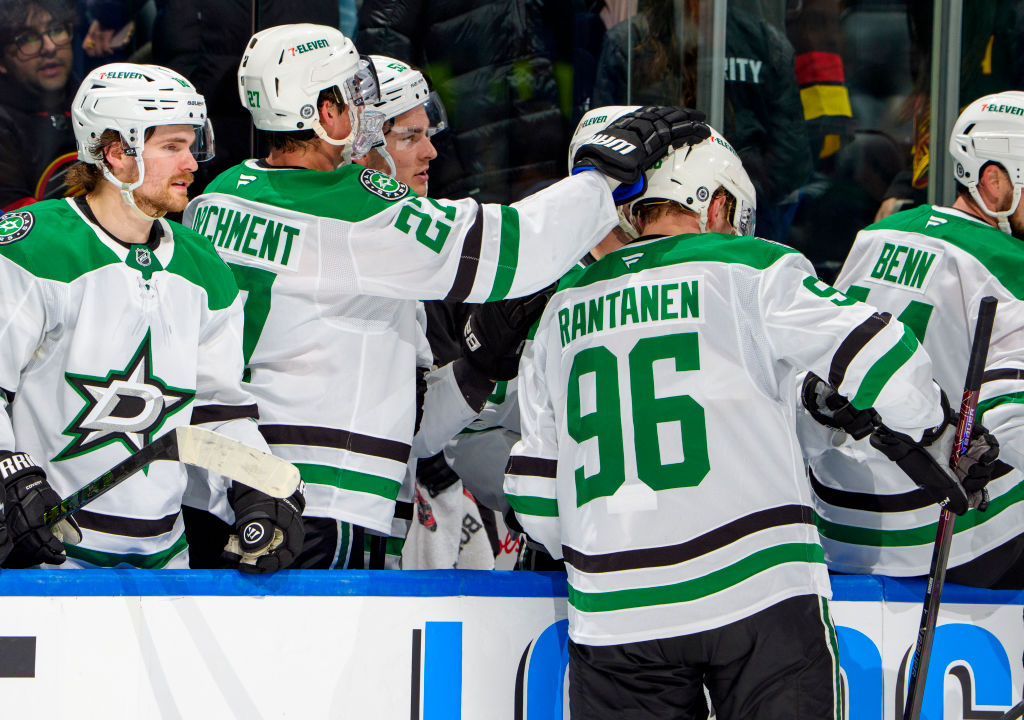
(631, 305)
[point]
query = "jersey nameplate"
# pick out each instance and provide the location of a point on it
(245, 236)
(905, 265)
(383, 185)
(653, 302)
(14, 226)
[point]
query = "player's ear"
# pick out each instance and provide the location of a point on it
(113, 153)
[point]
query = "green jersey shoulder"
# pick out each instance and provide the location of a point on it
(664, 252)
(49, 240)
(196, 259)
(351, 193)
(999, 253)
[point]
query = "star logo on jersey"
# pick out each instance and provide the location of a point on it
(15, 226)
(127, 406)
(383, 185)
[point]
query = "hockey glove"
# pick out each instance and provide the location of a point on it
(976, 467)
(26, 497)
(632, 144)
(495, 333)
(269, 532)
(927, 462)
(833, 410)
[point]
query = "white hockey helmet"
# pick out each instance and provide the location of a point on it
(691, 175)
(593, 122)
(403, 89)
(990, 129)
(285, 68)
(130, 99)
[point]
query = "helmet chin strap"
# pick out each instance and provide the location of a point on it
(128, 190)
(322, 134)
(383, 152)
(1002, 217)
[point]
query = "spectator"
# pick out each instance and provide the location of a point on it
(37, 144)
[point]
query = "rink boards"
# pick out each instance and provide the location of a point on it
(435, 645)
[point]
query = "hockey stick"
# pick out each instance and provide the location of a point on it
(197, 447)
(944, 534)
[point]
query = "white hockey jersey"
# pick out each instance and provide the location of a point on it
(106, 347)
(929, 266)
(330, 263)
(659, 454)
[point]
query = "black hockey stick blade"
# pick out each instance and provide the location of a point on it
(944, 533)
(197, 447)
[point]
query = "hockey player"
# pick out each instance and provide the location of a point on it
(931, 266)
(659, 456)
(412, 115)
(117, 326)
(330, 255)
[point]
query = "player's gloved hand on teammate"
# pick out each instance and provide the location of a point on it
(632, 144)
(833, 410)
(495, 333)
(26, 496)
(268, 531)
(927, 462)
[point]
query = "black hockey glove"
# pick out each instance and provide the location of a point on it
(833, 410)
(495, 333)
(628, 147)
(269, 532)
(927, 462)
(26, 497)
(435, 475)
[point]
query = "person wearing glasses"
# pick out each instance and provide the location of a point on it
(37, 144)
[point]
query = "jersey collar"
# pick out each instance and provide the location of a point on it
(160, 243)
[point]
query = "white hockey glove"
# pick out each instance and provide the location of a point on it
(268, 532)
(26, 496)
(628, 147)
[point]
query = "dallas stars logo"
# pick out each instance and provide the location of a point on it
(383, 185)
(127, 406)
(15, 226)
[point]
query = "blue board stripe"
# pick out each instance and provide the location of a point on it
(442, 671)
(395, 583)
(328, 583)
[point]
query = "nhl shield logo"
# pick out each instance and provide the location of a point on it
(383, 185)
(142, 257)
(15, 226)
